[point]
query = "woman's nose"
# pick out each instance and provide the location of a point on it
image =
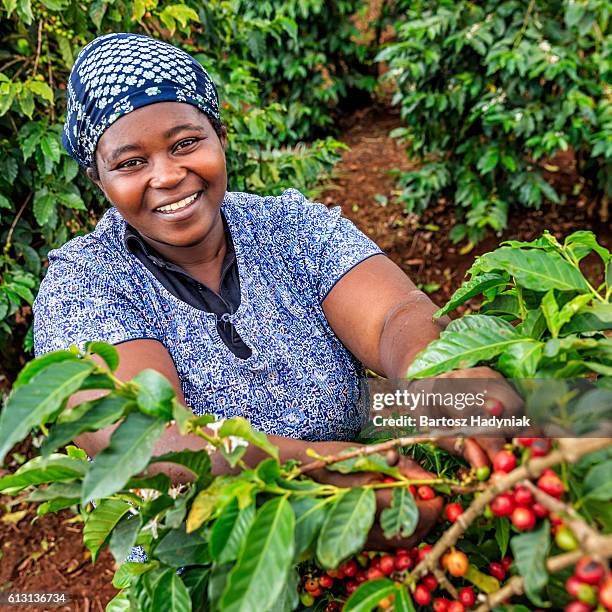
(166, 173)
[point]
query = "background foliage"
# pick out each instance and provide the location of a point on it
(279, 84)
(491, 91)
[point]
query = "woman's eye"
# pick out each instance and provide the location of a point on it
(186, 143)
(130, 163)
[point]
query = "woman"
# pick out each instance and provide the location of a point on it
(267, 308)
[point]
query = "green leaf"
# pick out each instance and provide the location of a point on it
(239, 426)
(38, 471)
(57, 490)
(588, 241)
(44, 206)
(367, 596)
(97, 11)
(197, 462)
(33, 404)
(180, 548)
(502, 533)
(50, 146)
(346, 527)
(521, 360)
(530, 554)
(259, 575)
(119, 603)
(229, 531)
(40, 363)
(204, 505)
(533, 269)
(170, 594)
(597, 483)
(484, 582)
(365, 463)
(123, 537)
(196, 581)
(5, 203)
(128, 453)
(463, 344)
(288, 599)
(155, 394)
(402, 601)
(402, 516)
(310, 515)
(469, 289)
(100, 523)
(93, 416)
(107, 351)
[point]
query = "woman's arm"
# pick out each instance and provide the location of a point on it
(381, 316)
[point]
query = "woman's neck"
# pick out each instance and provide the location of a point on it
(202, 259)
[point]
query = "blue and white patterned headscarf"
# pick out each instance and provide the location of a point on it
(118, 73)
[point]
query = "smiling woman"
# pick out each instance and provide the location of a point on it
(264, 307)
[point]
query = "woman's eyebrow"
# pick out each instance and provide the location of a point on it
(185, 126)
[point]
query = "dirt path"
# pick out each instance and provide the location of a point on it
(422, 251)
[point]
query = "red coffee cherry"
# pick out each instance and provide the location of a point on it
(550, 483)
(403, 562)
(456, 606)
(325, 581)
(467, 597)
(497, 570)
(502, 505)
(349, 568)
(590, 571)
(361, 576)
(493, 407)
(351, 586)
(572, 585)
(506, 562)
(312, 584)
(539, 447)
(523, 496)
(539, 510)
(577, 606)
(504, 461)
(387, 564)
(453, 511)
(525, 442)
(375, 573)
(605, 593)
(523, 519)
(423, 551)
(429, 582)
(422, 596)
(425, 492)
(440, 604)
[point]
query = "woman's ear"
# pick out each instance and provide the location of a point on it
(223, 137)
(92, 175)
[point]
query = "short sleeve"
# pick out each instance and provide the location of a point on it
(79, 302)
(327, 245)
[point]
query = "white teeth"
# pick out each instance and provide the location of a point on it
(179, 204)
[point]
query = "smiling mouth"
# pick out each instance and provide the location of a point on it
(170, 209)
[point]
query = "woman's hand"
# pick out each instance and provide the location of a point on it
(481, 451)
(429, 510)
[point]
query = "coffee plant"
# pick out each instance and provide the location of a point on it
(490, 92)
(534, 531)
(267, 59)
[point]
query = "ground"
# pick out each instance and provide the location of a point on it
(46, 553)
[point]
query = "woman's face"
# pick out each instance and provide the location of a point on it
(163, 167)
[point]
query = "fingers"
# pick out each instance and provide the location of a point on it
(412, 470)
(491, 446)
(468, 448)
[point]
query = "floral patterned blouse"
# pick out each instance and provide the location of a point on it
(300, 381)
